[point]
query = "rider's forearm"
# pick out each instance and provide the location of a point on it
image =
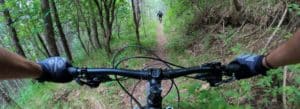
(14, 66)
(287, 53)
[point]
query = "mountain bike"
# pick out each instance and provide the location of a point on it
(160, 19)
(214, 73)
(160, 15)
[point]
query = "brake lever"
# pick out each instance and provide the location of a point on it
(215, 78)
(93, 82)
(225, 81)
(211, 79)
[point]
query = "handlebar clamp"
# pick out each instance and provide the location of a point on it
(84, 78)
(215, 77)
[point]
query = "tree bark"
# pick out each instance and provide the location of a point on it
(136, 18)
(36, 41)
(118, 24)
(88, 32)
(61, 32)
(12, 31)
(78, 33)
(43, 44)
(48, 28)
(106, 11)
(94, 25)
(95, 31)
(85, 20)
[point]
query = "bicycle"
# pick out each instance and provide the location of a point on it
(160, 15)
(160, 19)
(214, 73)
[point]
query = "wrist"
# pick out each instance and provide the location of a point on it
(36, 69)
(260, 66)
(266, 64)
(44, 75)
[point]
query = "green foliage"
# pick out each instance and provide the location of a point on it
(178, 16)
(194, 97)
(238, 49)
(294, 7)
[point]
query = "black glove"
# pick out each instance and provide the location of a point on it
(55, 69)
(250, 65)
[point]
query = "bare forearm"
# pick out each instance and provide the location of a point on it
(14, 66)
(288, 53)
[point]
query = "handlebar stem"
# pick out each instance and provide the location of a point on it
(154, 98)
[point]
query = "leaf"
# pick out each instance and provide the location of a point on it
(298, 13)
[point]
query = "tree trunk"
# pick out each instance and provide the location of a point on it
(107, 42)
(136, 18)
(106, 10)
(12, 31)
(88, 31)
(78, 34)
(118, 24)
(85, 20)
(48, 28)
(95, 30)
(40, 49)
(61, 32)
(94, 25)
(43, 45)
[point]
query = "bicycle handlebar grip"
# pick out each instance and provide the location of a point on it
(73, 71)
(233, 67)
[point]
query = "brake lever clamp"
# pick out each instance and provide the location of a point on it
(85, 79)
(214, 78)
(91, 82)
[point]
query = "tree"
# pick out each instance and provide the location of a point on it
(86, 22)
(106, 11)
(43, 44)
(36, 41)
(78, 33)
(94, 26)
(12, 31)
(136, 18)
(95, 31)
(60, 31)
(48, 28)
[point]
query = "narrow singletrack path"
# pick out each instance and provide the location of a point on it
(140, 92)
(161, 42)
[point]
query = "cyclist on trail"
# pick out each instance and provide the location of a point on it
(160, 15)
(54, 69)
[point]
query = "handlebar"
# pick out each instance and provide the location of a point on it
(213, 72)
(107, 71)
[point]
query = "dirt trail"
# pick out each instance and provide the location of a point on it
(160, 51)
(161, 42)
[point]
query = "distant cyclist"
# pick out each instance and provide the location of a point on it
(159, 15)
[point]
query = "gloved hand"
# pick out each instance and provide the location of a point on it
(55, 69)
(250, 65)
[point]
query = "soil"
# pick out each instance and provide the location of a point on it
(140, 92)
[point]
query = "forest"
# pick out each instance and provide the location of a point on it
(91, 33)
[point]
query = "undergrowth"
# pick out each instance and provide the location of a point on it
(72, 95)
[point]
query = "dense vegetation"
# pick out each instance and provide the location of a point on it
(88, 32)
